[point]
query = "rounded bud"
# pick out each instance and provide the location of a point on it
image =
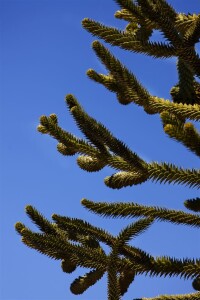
(123, 179)
(42, 129)
(196, 284)
(90, 72)
(175, 94)
(54, 118)
(164, 114)
(193, 204)
(123, 99)
(90, 164)
(19, 227)
(67, 266)
(189, 126)
(64, 150)
(43, 120)
(118, 14)
(29, 209)
(149, 110)
(168, 128)
(132, 27)
(96, 44)
(71, 101)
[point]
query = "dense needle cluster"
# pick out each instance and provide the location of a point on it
(76, 242)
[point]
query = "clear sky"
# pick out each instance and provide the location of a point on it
(44, 56)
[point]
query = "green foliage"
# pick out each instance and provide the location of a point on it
(192, 296)
(78, 243)
(81, 284)
(193, 204)
(115, 210)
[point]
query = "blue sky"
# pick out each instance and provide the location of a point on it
(44, 56)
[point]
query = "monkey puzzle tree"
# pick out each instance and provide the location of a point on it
(79, 243)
